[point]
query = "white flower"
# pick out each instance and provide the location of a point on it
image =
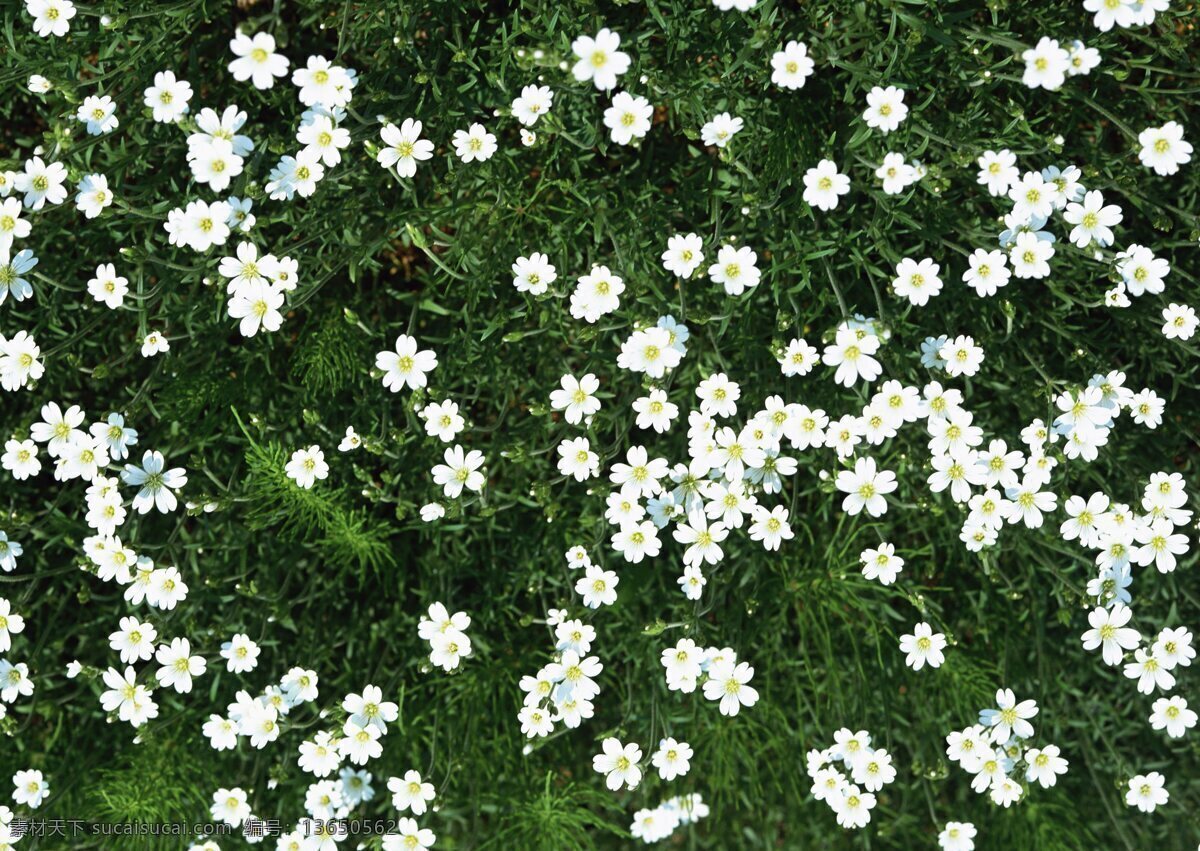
(405, 367)
(1141, 271)
(895, 174)
(257, 60)
(1083, 58)
(852, 806)
(178, 665)
(1145, 11)
(154, 343)
(1147, 792)
(410, 792)
(1172, 714)
(578, 557)
(596, 294)
(240, 216)
(99, 114)
(1032, 197)
(221, 733)
(702, 539)
(11, 624)
(296, 175)
(873, 770)
(157, 485)
(576, 459)
(1093, 220)
(720, 130)
(1149, 672)
(248, 267)
(1009, 718)
(852, 355)
(599, 60)
(323, 139)
(108, 287)
(532, 104)
(791, 67)
(442, 420)
(132, 702)
(474, 144)
(677, 331)
(736, 269)
(770, 527)
(637, 540)
(405, 147)
(229, 806)
(41, 184)
(924, 647)
(684, 254)
(824, 184)
(619, 764)
(14, 681)
(728, 683)
(20, 459)
(168, 97)
(257, 306)
(799, 358)
(1046, 65)
(31, 787)
(370, 708)
(957, 836)
(1164, 149)
(448, 648)
(1179, 321)
(224, 126)
(1027, 502)
(240, 654)
(917, 281)
(1111, 12)
(410, 837)
(199, 226)
(865, 487)
(881, 564)
(19, 361)
(576, 397)
(1029, 256)
(885, 109)
(672, 759)
(718, 395)
(988, 272)
(12, 226)
(961, 356)
(460, 470)
(998, 171)
(649, 351)
(134, 640)
(12, 270)
(533, 274)
(50, 17)
(628, 117)
(306, 466)
(323, 83)
(597, 586)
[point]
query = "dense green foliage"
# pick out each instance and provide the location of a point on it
(335, 578)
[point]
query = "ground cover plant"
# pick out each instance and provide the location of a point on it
(581, 425)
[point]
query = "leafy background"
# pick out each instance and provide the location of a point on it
(336, 578)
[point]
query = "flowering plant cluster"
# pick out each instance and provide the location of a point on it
(438, 397)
